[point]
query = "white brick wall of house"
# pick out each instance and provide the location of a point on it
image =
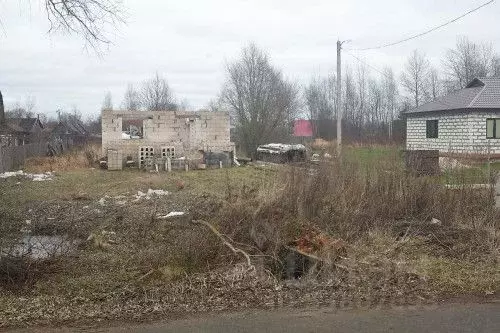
(459, 132)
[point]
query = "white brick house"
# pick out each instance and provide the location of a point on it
(464, 122)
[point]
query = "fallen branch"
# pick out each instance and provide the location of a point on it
(227, 243)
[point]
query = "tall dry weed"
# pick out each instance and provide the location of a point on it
(78, 158)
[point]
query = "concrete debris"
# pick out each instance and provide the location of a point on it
(36, 177)
(102, 201)
(448, 163)
(469, 186)
(156, 192)
(149, 194)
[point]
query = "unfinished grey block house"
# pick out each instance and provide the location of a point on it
(465, 122)
(142, 135)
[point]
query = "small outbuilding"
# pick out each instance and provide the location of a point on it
(465, 122)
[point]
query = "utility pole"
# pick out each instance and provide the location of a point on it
(339, 97)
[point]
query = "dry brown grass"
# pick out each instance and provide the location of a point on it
(78, 158)
(379, 209)
(383, 214)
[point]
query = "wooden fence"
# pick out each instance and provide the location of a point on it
(12, 158)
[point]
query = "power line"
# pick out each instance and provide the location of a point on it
(427, 31)
(367, 64)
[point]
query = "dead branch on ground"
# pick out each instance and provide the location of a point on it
(226, 242)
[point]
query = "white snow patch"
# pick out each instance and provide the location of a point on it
(11, 174)
(156, 192)
(36, 177)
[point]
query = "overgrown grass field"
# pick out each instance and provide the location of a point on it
(131, 263)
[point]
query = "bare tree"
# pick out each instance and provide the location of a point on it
(435, 84)
(319, 98)
(107, 103)
(391, 97)
(22, 109)
(184, 105)
(131, 100)
(375, 102)
(215, 104)
(76, 113)
(470, 60)
(415, 76)
(156, 95)
(93, 124)
(261, 100)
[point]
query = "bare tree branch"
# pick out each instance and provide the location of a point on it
(87, 18)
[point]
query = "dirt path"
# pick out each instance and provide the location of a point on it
(456, 318)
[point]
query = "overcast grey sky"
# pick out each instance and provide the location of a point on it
(190, 41)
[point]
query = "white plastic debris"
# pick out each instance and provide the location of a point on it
(102, 201)
(172, 214)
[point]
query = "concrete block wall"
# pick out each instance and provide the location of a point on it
(115, 159)
(458, 132)
(188, 132)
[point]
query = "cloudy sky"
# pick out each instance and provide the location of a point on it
(190, 41)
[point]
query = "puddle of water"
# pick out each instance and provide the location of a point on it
(42, 247)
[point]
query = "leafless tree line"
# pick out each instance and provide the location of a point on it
(371, 106)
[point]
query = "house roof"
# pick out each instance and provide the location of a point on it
(480, 93)
(21, 125)
(71, 126)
